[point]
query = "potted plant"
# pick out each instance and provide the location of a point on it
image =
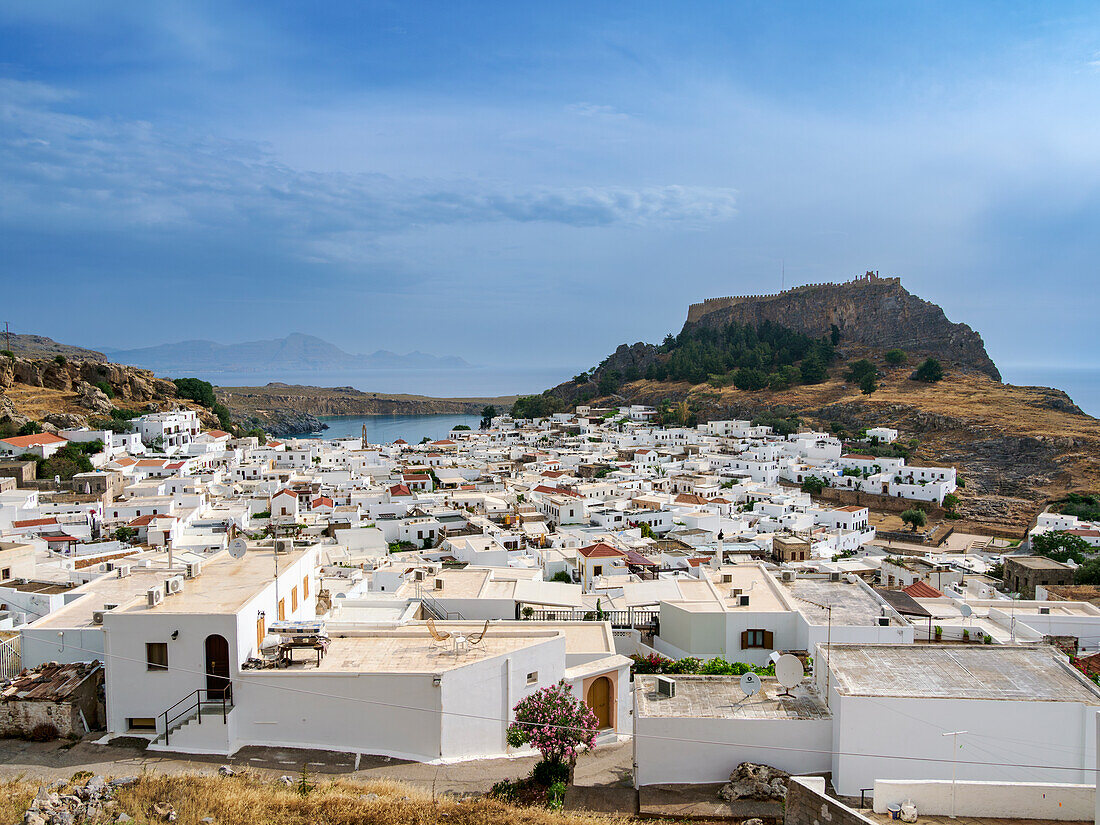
(966, 635)
(938, 631)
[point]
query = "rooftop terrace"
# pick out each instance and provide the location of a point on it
(1024, 673)
(720, 697)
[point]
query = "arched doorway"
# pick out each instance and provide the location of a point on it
(217, 666)
(599, 701)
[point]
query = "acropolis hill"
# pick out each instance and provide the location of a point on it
(869, 310)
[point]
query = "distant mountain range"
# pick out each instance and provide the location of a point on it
(295, 352)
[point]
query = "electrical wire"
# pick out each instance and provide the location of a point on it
(635, 736)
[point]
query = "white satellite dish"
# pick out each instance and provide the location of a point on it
(237, 548)
(750, 684)
(789, 672)
(966, 610)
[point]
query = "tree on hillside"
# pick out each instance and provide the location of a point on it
(1060, 546)
(488, 413)
(750, 379)
(929, 371)
(857, 370)
(868, 384)
(30, 428)
(812, 371)
(1088, 573)
(896, 357)
(914, 518)
(813, 485)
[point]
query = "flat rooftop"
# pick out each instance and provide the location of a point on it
(225, 584)
(720, 697)
(1024, 673)
(851, 604)
(411, 649)
(1037, 563)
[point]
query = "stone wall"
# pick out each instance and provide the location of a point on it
(807, 804)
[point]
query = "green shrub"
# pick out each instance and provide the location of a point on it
(547, 773)
(60, 360)
(105, 388)
(896, 357)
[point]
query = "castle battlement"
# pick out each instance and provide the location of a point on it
(708, 305)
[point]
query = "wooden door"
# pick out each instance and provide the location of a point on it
(217, 666)
(599, 701)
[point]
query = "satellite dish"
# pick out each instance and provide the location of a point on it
(966, 610)
(750, 684)
(789, 671)
(237, 548)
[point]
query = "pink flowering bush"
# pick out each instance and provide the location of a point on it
(554, 722)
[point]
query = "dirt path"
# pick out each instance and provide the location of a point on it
(607, 765)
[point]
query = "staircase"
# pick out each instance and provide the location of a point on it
(433, 609)
(190, 712)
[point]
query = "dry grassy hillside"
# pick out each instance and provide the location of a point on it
(252, 800)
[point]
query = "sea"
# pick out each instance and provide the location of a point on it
(1081, 383)
(385, 429)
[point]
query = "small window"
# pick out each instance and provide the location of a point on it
(532, 677)
(282, 610)
(754, 638)
(141, 723)
(156, 655)
(5, 574)
(305, 587)
(293, 598)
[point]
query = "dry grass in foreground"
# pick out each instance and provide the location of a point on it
(248, 799)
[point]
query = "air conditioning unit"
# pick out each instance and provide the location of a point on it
(123, 570)
(788, 575)
(834, 577)
(743, 601)
(284, 545)
(174, 585)
(883, 621)
(154, 595)
(666, 687)
(727, 578)
(193, 569)
(97, 616)
(110, 566)
(102, 567)
(439, 584)
(418, 575)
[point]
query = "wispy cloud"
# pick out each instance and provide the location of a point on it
(76, 172)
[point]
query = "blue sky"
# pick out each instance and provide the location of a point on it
(533, 185)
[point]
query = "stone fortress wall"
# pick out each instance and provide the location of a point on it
(705, 307)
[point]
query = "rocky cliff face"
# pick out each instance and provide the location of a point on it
(70, 394)
(870, 311)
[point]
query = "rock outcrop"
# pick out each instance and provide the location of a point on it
(758, 782)
(869, 311)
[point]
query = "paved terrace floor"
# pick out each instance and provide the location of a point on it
(720, 697)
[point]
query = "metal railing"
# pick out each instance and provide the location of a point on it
(621, 619)
(11, 657)
(433, 608)
(193, 704)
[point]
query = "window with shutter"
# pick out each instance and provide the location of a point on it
(744, 639)
(768, 640)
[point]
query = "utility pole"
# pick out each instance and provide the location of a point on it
(955, 734)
